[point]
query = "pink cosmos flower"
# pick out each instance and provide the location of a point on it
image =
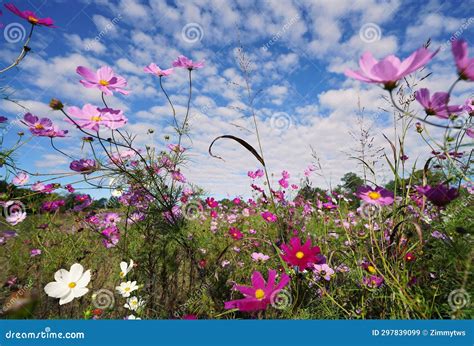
(379, 195)
(178, 176)
(373, 281)
(235, 233)
(21, 179)
(37, 126)
(35, 252)
(257, 174)
(50, 206)
(92, 117)
(301, 255)
(260, 294)
(436, 105)
(54, 132)
(211, 202)
(154, 69)
(111, 236)
(104, 79)
(30, 16)
(186, 63)
(69, 188)
(84, 165)
(323, 271)
(258, 256)
(390, 70)
(269, 217)
(469, 106)
(464, 64)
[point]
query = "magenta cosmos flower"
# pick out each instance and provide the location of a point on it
(92, 117)
(301, 255)
(84, 165)
(437, 104)
(379, 195)
(464, 64)
(186, 63)
(30, 16)
(104, 79)
(389, 70)
(154, 69)
(235, 233)
(269, 217)
(439, 195)
(260, 294)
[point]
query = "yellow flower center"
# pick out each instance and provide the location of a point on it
(259, 294)
(374, 195)
(127, 289)
(122, 274)
(33, 20)
(371, 269)
(39, 127)
(96, 118)
(103, 82)
(72, 285)
(299, 255)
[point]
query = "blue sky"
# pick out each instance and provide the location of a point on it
(299, 50)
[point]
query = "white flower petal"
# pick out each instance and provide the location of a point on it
(62, 275)
(56, 289)
(80, 291)
(84, 279)
(76, 272)
(67, 298)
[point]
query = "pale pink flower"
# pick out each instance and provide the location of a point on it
(21, 179)
(104, 79)
(389, 70)
(154, 69)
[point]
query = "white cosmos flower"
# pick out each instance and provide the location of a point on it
(69, 284)
(133, 317)
(126, 288)
(125, 269)
(134, 303)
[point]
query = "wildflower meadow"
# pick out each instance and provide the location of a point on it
(160, 171)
